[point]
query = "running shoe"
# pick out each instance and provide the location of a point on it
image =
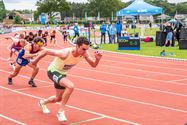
(44, 108)
(31, 82)
(61, 116)
(13, 66)
(10, 81)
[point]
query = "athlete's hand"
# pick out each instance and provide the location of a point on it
(7, 38)
(39, 55)
(33, 62)
(98, 55)
(43, 48)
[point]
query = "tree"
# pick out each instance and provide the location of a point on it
(170, 8)
(51, 6)
(36, 15)
(104, 7)
(78, 9)
(2, 10)
(26, 11)
(181, 8)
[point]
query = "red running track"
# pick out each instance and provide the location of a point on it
(122, 90)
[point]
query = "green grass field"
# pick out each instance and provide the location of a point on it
(149, 49)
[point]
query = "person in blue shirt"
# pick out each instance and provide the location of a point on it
(103, 32)
(108, 30)
(76, 30)
(118, 29)
(113, 32)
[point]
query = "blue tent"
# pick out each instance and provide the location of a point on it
(139, 7)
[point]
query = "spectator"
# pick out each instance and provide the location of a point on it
(178, 27)
(113, 32)
(76, 30)
(103, 32)
(169, 31)
(150, 25)
(108, 30)
(118, 29)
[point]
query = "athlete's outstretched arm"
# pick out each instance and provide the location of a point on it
(58, 53)
(12, 38)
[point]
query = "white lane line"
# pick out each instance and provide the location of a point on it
(132, 58)
(130, 76)
(138, 70)
(27, 88)
(88, 120)
(152, 66)
(13, 120)
(88, 111)
(131, 100)
(108, 82)
(131, 86)
(137, 77)
(119, 98)
(178, 80)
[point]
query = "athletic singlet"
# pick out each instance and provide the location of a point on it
(22, 61)
(62, 66)
(17, 46)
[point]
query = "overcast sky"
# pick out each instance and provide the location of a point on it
(30, 4)
(26, 4)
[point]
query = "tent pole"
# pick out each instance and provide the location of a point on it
(162, 20)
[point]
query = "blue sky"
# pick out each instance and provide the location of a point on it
(30, 4)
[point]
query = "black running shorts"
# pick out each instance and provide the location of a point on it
(56, 77)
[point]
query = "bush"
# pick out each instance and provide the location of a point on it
(17, 20)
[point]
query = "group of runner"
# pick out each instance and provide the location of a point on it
(30, 49)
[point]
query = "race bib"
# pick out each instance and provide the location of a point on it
(19, 61)
(55, 78)
(67, 67)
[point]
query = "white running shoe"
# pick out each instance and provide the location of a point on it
(61, 116)
(44, 108)
(13, 67)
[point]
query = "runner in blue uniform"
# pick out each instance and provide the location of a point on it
(29, 51)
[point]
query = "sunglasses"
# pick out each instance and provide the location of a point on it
(40, 43)
(84, 49)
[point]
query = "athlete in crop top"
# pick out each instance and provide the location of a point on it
(65, 59)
